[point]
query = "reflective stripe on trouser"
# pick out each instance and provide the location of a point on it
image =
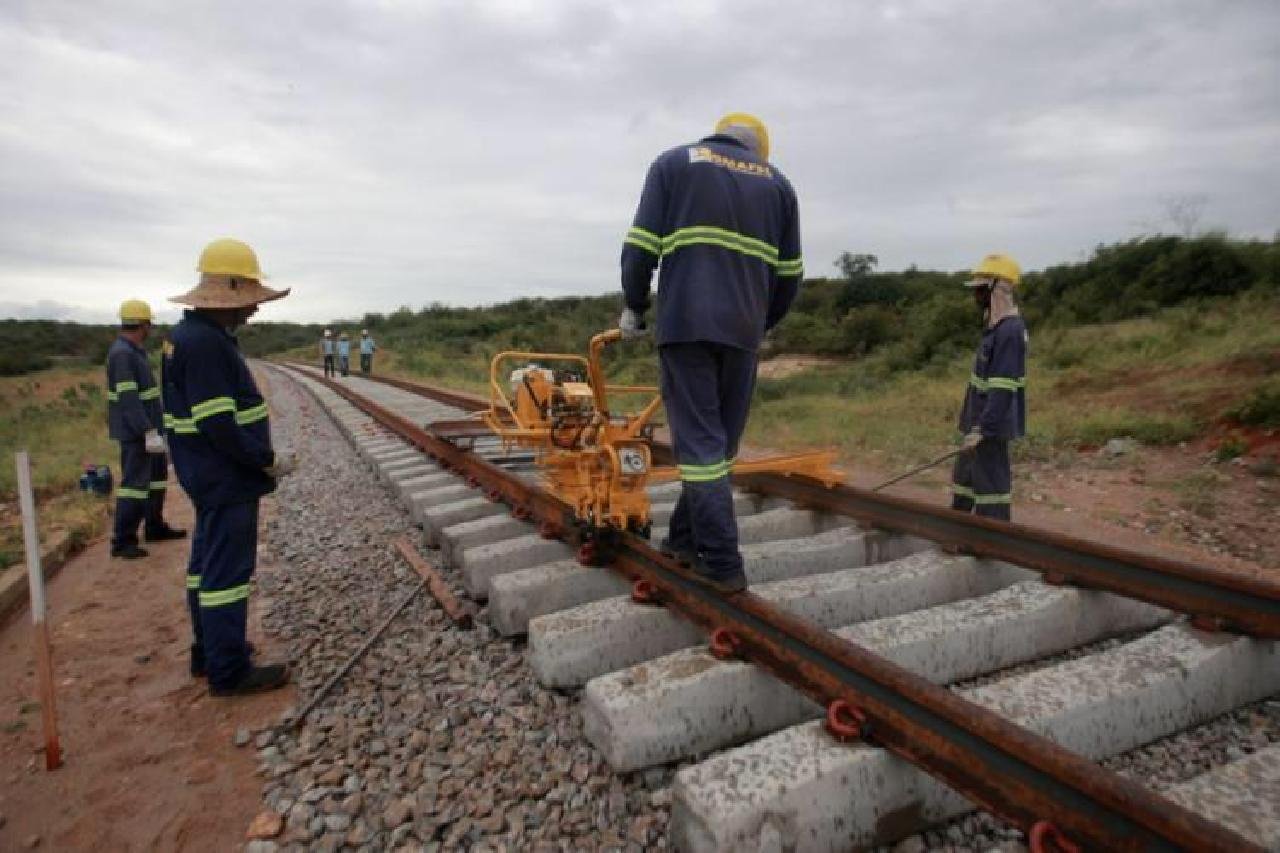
(223, 556)
(132, 494)
(982, 481)
(706, 389)
(156, 489)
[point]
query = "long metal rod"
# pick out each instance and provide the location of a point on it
(1218, 599)
(918, 469)
(1008, 770)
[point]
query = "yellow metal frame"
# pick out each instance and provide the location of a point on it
(581, 455)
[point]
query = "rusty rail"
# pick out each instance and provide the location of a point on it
(1216, 599)
(1022, 777)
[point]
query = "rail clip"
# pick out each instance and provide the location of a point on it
(847, 722)
(644, 592)
(494, 496)
(520, 513)
(1045, 837)
(549, 530)
(725, 644)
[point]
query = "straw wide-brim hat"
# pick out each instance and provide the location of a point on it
(228, 291)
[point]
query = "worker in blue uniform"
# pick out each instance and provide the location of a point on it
(134, 420)
(723, 222)
(344, 354)
(327, 352)
(995, 406)
(220, 437)
(367, 347)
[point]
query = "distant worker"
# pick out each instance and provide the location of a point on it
(995, 406)
(326, 352)
(367, 348)
(134, 419)
(344, 354)
(220, 437)
(724, 223)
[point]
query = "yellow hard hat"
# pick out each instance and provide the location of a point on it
(748, 121)
(1000, 266)
(135, 311)
(229, 257)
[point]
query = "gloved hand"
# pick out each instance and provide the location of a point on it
(631, 324)
(153, 442)
(970, 442)
(284, 465)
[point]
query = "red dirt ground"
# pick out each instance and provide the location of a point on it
(150, 762)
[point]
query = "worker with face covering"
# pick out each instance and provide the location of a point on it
(723, 222)
(995, 406)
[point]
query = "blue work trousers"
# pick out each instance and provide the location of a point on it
(706, 389)
(223, 556)
(982, 480)
(140, 496)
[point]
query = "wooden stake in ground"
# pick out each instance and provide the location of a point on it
(40, 630)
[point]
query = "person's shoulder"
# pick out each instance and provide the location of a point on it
(1011, 328)
(118, 348)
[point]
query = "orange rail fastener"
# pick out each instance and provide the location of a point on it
(725, 644)
(1045, 837)
(846, 722)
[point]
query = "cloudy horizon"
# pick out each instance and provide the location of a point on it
(380, 154)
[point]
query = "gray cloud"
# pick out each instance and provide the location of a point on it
(385, 153)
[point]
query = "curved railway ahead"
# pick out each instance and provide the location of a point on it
(819, 682)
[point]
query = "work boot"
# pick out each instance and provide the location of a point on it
(684, 556)
(257, 679)
(129, 552)
(166, 533)
(197, 659)
(726, 585)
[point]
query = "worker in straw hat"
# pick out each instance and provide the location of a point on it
(220, 440)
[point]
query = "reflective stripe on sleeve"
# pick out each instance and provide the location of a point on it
(643, 239)
(253, 414)
(181, 426)
(133, 494)
(127, 385)
(997, 383)
(791, 266)
(150, 394)
(209, 408)
(193, 581)
(223, 597)
(159, 485)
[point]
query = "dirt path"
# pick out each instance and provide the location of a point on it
(150, 758)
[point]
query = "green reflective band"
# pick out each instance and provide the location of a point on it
(244, 417)
(997, 383)
(127, 385)
(966, 492)
(135, 494)
(643, 239)
(150, 394)
(193, 581)
(793, 266)
(181, 426)
(223, 597)
(710, 235)
(113, 396)
(209, 408)
(159, 485)
(706, 473)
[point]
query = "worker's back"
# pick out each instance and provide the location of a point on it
(725, 224)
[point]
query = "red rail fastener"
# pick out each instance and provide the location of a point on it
(1045, 837)
(846, 722)
(1213, 624)
(473, 481)
(644, 592)
(725, 644)
(494, 496)
(587, 553)
(548, 530)
(1055, 578)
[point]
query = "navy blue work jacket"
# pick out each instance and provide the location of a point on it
(133, 398)
(995, 401)
(216, 419)
(725, 226)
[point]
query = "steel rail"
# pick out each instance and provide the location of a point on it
(1217, 599)
(1022, 777)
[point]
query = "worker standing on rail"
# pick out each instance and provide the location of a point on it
(724, 224)
(134, 419)
(367, 347)
(220, 437)
(327, 352)
(995, 406)
(344, 354)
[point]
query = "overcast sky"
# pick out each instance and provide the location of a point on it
(379, 154)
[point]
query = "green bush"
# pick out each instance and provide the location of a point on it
(1261, 408)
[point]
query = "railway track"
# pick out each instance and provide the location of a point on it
(864, 622)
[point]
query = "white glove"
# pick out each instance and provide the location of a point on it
(970, 442)
(153, 442)
(284, 465)
(631, 324)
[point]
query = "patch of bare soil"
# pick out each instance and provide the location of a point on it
(782, 366)
(150, 762)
